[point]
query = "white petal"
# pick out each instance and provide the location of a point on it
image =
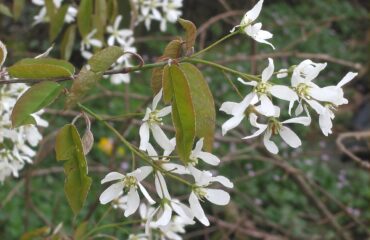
(261, 37)
(268, 71)
(282, 73)
(349, 76)
(152, 152)
(267, 107)
(165, 218)
(198, 147)
(182, 210)
(156, 99)
(290, 137)
(144, 136)
(242, 106)
(270, 145)
(217, 196)
(300, 120)
(283, 92)
(160, 137)
(224, 181)
(251, 83)
(325, 123)
(209, 158)
(111, 193)
(146, 194)
(133, 202)
(197, 209)
(142, 172)
(161, 186)
(258, 132)
(228, 107)
(232, 123)
(327, 94)
(253, 14)
(112, 176)
(175, 168)
(316, 106)
(164, 111)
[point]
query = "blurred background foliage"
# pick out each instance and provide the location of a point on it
(314, 192)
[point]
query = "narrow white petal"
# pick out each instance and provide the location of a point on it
(156, 99)
(282, 73)
(111, 193)
(228, 107)
(232, 123)
(224, 181)
(270, 145)
(144, 136)
(160, 137)
(290, 137)
(284, 93)
(175, 168)
(164, 111)
(316, 106)
(146, 194)
(112, 176)
(182, 210)
(349, 76)
(253, 14)
(325, 122)
(161, 186)
(209, 158)
(217, 196)
(267, 107)
(300, 120)
(268, 71)
(133, 202)
(242, 106)
(197, 209)
(165, 218)
(143, 172)
(258, 132)
(251, 83)
(152, 152)
(198, 147)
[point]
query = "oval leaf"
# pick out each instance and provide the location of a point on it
(69, 148)
(103, 60)
(204, 106)
(191, 34)
(85, 11)
(68, 40)
(57, 22)
(33, 100)
(183, 115)
(167, 87)
(36, 68)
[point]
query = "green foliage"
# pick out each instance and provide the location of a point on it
(68, 147)
(39, 68)
(84, 21)
(57, 22)
(33, 100)
(191, 34)
(103, 60)
(66, 46)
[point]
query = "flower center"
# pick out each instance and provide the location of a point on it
(262, 87)
(193, 160)
(130, 181)
(274, 125)
(200, 193)
(303, 90)
(153, 118)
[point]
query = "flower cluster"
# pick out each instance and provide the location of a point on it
(259, 103)
(167, 215)
(15, 143)
(162, 11)
(42, 16)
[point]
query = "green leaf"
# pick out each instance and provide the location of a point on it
(183, 115)
(77, 184)
(68, 42)
(191, 34)
(204, 106)
(37, 233)
(35, 68)
(103, 60)
(100, 19)
(80, 230)
(85, 11)
(50, 8)
(3, 53)
(5, 10)
(18, 6)
(167, 87)
(81, 86)
(57, 22)
(112, 10)
(173, 49)
(34, 99)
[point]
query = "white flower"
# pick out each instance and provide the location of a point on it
(129, 182)
(43, 17)
(122, 36)
(147, 10)
(261, 92)
(274, 127)
(207, 157)
(140, 236)
(151, 122)
(171, 12)
(88, 42)
(172, 229)
(201, 191)
(254, 30)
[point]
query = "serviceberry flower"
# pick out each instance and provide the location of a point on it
(88, 42)
(254, 30)
(121, 36)
(128, 183)
(207, 157)
(151, 122)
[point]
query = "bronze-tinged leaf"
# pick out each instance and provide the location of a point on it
(204, 106)
(68, 41)
(167, 87)
(173, 49)
(81, 86)
(68, 147)
(33, 100)
(156, 79)
(191, 34)
(183, 114)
